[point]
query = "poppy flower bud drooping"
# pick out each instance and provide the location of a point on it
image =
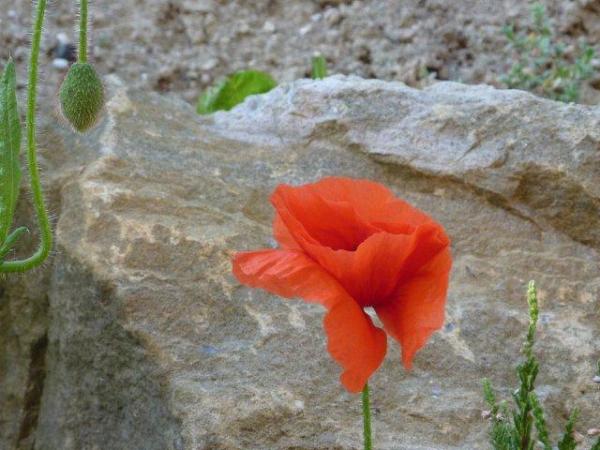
(82, 96)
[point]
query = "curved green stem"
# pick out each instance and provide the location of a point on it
(83, 27)
(38, 197)
(366, 409)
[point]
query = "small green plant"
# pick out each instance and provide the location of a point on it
(82, 93)
(543, 65)
(319, 68)
(234, 90)
(10, 170)
(512, 429)
(11, 133)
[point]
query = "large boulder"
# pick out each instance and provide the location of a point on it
(135, 335)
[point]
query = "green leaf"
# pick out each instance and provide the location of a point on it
(509, 32)
(490, 397)
(540, 421)
(207, 101)
(234, 90)
(568, 440)
(11, 240)
(319, 68)
(10, 144)
(542, 64)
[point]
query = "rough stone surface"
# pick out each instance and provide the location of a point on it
(136, 336)
(543, 161)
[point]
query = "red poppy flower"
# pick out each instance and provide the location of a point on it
(350, 244)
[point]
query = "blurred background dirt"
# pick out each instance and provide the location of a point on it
(182, 46)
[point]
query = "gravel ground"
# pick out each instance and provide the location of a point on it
(182, 46)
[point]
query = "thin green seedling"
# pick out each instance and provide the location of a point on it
(542, 64)
(524, 426)
(319, 67)
(89, 104)
(45, 244)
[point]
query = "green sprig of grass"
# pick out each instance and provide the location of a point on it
(542, 65)
(233, 90)
(513, 429)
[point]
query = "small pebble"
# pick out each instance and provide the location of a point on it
(244, 28)
(333, 16)
(66, 49)
(596, 379)
(209, 64)
(209, 350)
(593, 432)
(60, 63)
(546, 318)
(449, 327)
(199, 6)
(305, 29)
(269, 27)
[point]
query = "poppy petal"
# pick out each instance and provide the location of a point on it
(431, 240)
(372, 273)
(355, 343)
(283, 236)
(314, 219)
(373, 202)
(288, 274)
(417, 310)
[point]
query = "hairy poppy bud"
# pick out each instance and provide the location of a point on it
(82, 96)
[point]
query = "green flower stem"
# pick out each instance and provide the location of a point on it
(38, 197)
(366, 409)
(83, 27)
